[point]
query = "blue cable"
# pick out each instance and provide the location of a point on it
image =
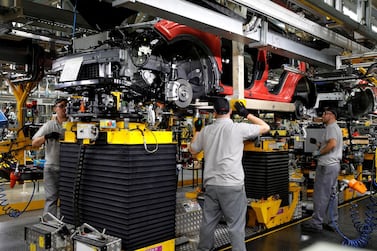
(74, 20)
(364, 229)
(5, 206)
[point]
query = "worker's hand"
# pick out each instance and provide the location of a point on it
(316, 153)
(53, 135)
(198, 125)
(241, 109)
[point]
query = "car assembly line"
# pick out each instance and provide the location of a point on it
(136, 76)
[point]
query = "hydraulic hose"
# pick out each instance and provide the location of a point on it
(6, 207)
(365, 229)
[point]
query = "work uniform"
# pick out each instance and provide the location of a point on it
(51, 166)
(225, 194)
(325, 185)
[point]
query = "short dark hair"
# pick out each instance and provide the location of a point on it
(59, 100)
(332, 110)
(221, 106)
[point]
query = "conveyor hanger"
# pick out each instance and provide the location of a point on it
(356, 60)
(230, 28)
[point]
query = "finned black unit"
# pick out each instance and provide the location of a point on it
(266, 174)
(123, 189)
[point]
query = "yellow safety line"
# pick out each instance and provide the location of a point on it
(34, 205)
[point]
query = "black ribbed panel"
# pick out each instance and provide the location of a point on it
(130, 193)
(266, 174)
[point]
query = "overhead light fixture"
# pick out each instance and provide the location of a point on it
(350, 13)
(374, 28)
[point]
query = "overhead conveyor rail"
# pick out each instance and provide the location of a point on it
(211, 21)
(364, 60)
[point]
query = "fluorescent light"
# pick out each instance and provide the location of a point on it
(374, 28)
(350, 13)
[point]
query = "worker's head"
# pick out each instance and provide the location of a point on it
(329, 115)
(60, 107)
(61, 101)
(221, 106)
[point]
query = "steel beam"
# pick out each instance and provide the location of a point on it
(272, 10)
(55, 15)
(339, 17)
(219, 24)
(291, 49)
(266, 105)
(192, 15)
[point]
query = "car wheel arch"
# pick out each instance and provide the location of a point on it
(211, 66)
(306, 92)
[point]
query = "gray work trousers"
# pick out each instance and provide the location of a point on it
(227, 201)
(325, 192)
(51, 187)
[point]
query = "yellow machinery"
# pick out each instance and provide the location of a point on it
(266, 144)
(28, 61)
(119, 133)
(21, 142)
(13, 151)
(13, 148)
(270, 214)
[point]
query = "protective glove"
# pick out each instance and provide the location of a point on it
(316, 153)
(198, 125)
(52, 135)
(241, 109)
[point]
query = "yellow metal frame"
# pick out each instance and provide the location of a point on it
(168, 245)
(266, 145)
(135, 133)
(269, 213)
(21, 93)
(137, 136)
(370, 78)
(34, 205)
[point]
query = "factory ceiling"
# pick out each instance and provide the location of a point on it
(312, 26)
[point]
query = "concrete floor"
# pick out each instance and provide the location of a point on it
(292, 238)
(289, 238)
(283, 238)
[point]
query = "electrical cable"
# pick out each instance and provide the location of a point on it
(145, 141)
(12, 142)
(77, 185)
(74, 20)
(5, 206)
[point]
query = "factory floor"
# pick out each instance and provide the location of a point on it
(288, 237)
(292, 238)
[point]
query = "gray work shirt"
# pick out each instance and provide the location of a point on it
(332, 131)
(222, 143)
(52, 147)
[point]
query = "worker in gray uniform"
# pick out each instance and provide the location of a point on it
(49, 134)
(224, 191)
(329, 156)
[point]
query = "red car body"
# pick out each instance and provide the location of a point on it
(292, 86)
(170, 62)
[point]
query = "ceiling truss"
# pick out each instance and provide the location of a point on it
(53, 25)
(214, 22)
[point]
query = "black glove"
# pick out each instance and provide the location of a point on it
(198, 125)
(241, 109)
(53, 135)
